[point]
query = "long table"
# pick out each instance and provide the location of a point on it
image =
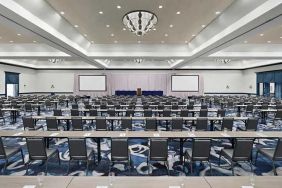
(182, 135)
(140, 182)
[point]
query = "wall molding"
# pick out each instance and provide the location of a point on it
(130, 69)
(228, 93)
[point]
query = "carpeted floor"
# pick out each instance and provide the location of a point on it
(139, 150)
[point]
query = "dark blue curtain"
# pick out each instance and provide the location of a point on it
(12, 78)
(266, 89)
(268, 77)
(278, 90)
(260, 77)
(278, 77)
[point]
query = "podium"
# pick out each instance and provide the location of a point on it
(138, 92)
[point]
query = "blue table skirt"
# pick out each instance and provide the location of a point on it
(131, 93)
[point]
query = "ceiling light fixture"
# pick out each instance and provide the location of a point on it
(108, 26)
(162, 41)
(124, 29)
(203, 26)
(62, 12)
(245, 41)
(76, 26)
(178, 12)
(112, 35)
(34, 41)
(19, 34)
(170, 25)
(280, 37)
(160, 6)
(119, 7)
(92, 42)
(261, 34)
(101, 12)
(115, 41)
(269, 41)
(166, 35)
(85, 35)
(217, 12)
(139, 41)
(193, 35)
(11, 41)
(140, 22)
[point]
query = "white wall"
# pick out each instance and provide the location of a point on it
(27, 78)
(215, 81)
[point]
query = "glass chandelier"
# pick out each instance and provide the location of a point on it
(140, 21)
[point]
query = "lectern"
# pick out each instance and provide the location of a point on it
(139, 92)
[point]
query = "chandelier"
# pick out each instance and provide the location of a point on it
(140, 21)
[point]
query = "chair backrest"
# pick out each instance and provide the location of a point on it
(278, 114)
(190, 106)
(77, 148)
(74, 112)
(151, 124)
(221, 112)
(160, 106)
(119, 149)
(48, 103)
(174, 107)
(177, 124)
(1, 113)
(28, 106)
(204, 107)
(264, 106)
(51, 123)
(111, 112)
(93, 112)
(28, 123)
(278, 151)
(227, 123)
(201, 149)
(242, 150)
(146, 106)
(202, 124)
(77, 123)
(252, 124)
(166, 113)
(2, 150)
(57, 112)
(249, 108)
(158, 149)
(184, 113)
(74, 106)
(148, 113)
(203, 113)
(101, 124)
(129, 113)
(278, 106)
(126, 123)
(87, 106)
(36, 148)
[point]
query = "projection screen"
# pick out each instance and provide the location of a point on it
(185, 83)
(92, 83)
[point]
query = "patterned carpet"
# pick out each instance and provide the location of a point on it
(139, 151)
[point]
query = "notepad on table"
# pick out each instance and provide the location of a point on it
(122, 134)
(156, 134)
(29, 186)
(54, 134)
(18, 134)
(225, 135)
(87, 134)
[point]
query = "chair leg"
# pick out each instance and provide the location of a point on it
(274, 169)
(210, 168)
(232, 166)
(191, 166)
(22, 156)
(26, 167)
(87, 164)
(5, 166)
(68, 167)
(58, 155)
(46, 167)
(256, 157)
(251, 165)
(219, 159)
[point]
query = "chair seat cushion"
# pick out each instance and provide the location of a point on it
(268, 152)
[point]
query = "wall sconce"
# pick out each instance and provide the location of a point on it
(227, 86)
(24, 85)
(52, 86)
(251, 87)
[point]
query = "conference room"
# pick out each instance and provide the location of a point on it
(131, 93)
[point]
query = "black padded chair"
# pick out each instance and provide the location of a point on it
(242, 152)
(177, 124)
(28, 123)
(126, 123)
(129, 113)
(57, 112)
(7, 153)
(37, 151)
(278, 116)
(79, 152)
(151, 124)
(74, 112)
(273, 154)
(221, 113)
(74, 106)
(120, 152)
(148, 113)
(27, 108)
(250, 125)
(52, 124)
(250, 109)
(158, 152)
(200, 151)
(101, 124)
(203, 113)
(227, 123)
(202, 124)
(77, 124)
(111, 112)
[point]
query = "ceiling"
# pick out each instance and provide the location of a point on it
(247, 33)
(85, 15)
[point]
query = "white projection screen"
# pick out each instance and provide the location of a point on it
(92, 82)
(185, 83)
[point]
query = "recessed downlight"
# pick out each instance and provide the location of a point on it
(119, 7)
(193, 35)
(112, 35)
(62, 12)
(11, 41)
(160, 6)
(178, 12)
(101, 12)
(166, 35)
(217, 12)
(108, 26)
(245, 41)
(203, 26)
(76, 26)
(269, 41)
(34, 41)
(19, 34)
(261, 34)
(124, 29)
(170, 25)
(115, 41)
